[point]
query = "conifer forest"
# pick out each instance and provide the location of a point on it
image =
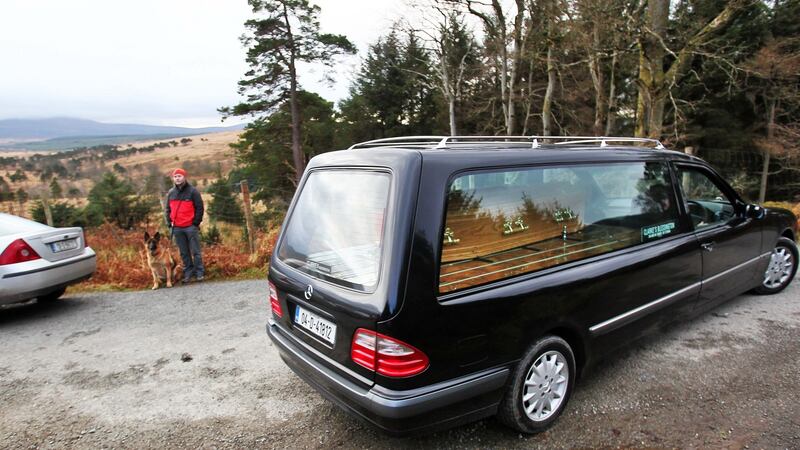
(719, 79)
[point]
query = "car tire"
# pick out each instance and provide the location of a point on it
(52, 296)
(539, 387)
(781, 269)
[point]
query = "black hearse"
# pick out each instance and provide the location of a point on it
(423, 282)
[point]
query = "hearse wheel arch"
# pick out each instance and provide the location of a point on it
(540, 386)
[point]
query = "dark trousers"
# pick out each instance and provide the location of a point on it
(188, 240)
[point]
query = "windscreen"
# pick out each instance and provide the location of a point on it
(335, 232)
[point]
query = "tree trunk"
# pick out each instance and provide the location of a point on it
(651, 70)
(452, 109)
(248, 217)
(501, 44)
(497, 30)
(449, 91)
(596, 72)
(611, 113)
(547, 105)
(48, 213)
(529, 97)
(519, 46)
(600, 104)
(654, 82)
(657, 115)
(297, 151)
(762, 191)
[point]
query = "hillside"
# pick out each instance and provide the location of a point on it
(200, 155)
(212, 148)
(66, 133)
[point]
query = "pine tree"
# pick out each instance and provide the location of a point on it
(264, 147)
(393, 94)
(64, 214)
(19, 175)
(55, 189)
(283, 34)
(457, 64)
(114, 199)
(422, 106)
(381, 87)
(5, 191)
(22, 196)
(224, 206)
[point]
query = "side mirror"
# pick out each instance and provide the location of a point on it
(753, 211)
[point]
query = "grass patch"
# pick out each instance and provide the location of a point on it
(122, 261)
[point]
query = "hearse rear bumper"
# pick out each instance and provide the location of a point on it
(415, 411)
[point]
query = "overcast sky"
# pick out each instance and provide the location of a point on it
(163, 62)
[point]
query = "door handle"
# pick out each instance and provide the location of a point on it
(708, 246)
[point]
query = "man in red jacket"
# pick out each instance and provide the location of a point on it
(183, 210)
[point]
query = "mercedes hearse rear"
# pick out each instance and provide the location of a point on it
(339, 271)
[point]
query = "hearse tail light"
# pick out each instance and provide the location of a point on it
(17, 252)
(386, 356)
(273, 301)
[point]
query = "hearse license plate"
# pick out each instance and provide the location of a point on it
(315, 324)
(62, 246)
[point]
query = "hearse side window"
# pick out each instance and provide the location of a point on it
(506, 223)
(335, 232)
(705, 201)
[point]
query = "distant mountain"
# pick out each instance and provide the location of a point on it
(61, 127)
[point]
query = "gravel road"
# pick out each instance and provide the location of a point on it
(191, 367)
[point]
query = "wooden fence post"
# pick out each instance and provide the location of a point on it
(48, 214)
(248, 216)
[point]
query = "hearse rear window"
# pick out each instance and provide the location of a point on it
(506, 223)
(335, 232)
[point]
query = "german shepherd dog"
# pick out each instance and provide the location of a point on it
(160, 260)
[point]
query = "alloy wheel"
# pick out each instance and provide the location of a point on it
(781, 265)
(545, 386)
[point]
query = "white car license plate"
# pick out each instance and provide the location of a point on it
(61, 246)
(318, 326)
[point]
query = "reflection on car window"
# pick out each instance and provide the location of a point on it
(706, 203)
(506, 223)
(335, 232)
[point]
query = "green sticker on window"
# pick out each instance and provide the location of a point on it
(657, 231)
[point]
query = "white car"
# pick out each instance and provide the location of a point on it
(38, 261)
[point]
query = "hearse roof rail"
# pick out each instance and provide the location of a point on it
(445, 142)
